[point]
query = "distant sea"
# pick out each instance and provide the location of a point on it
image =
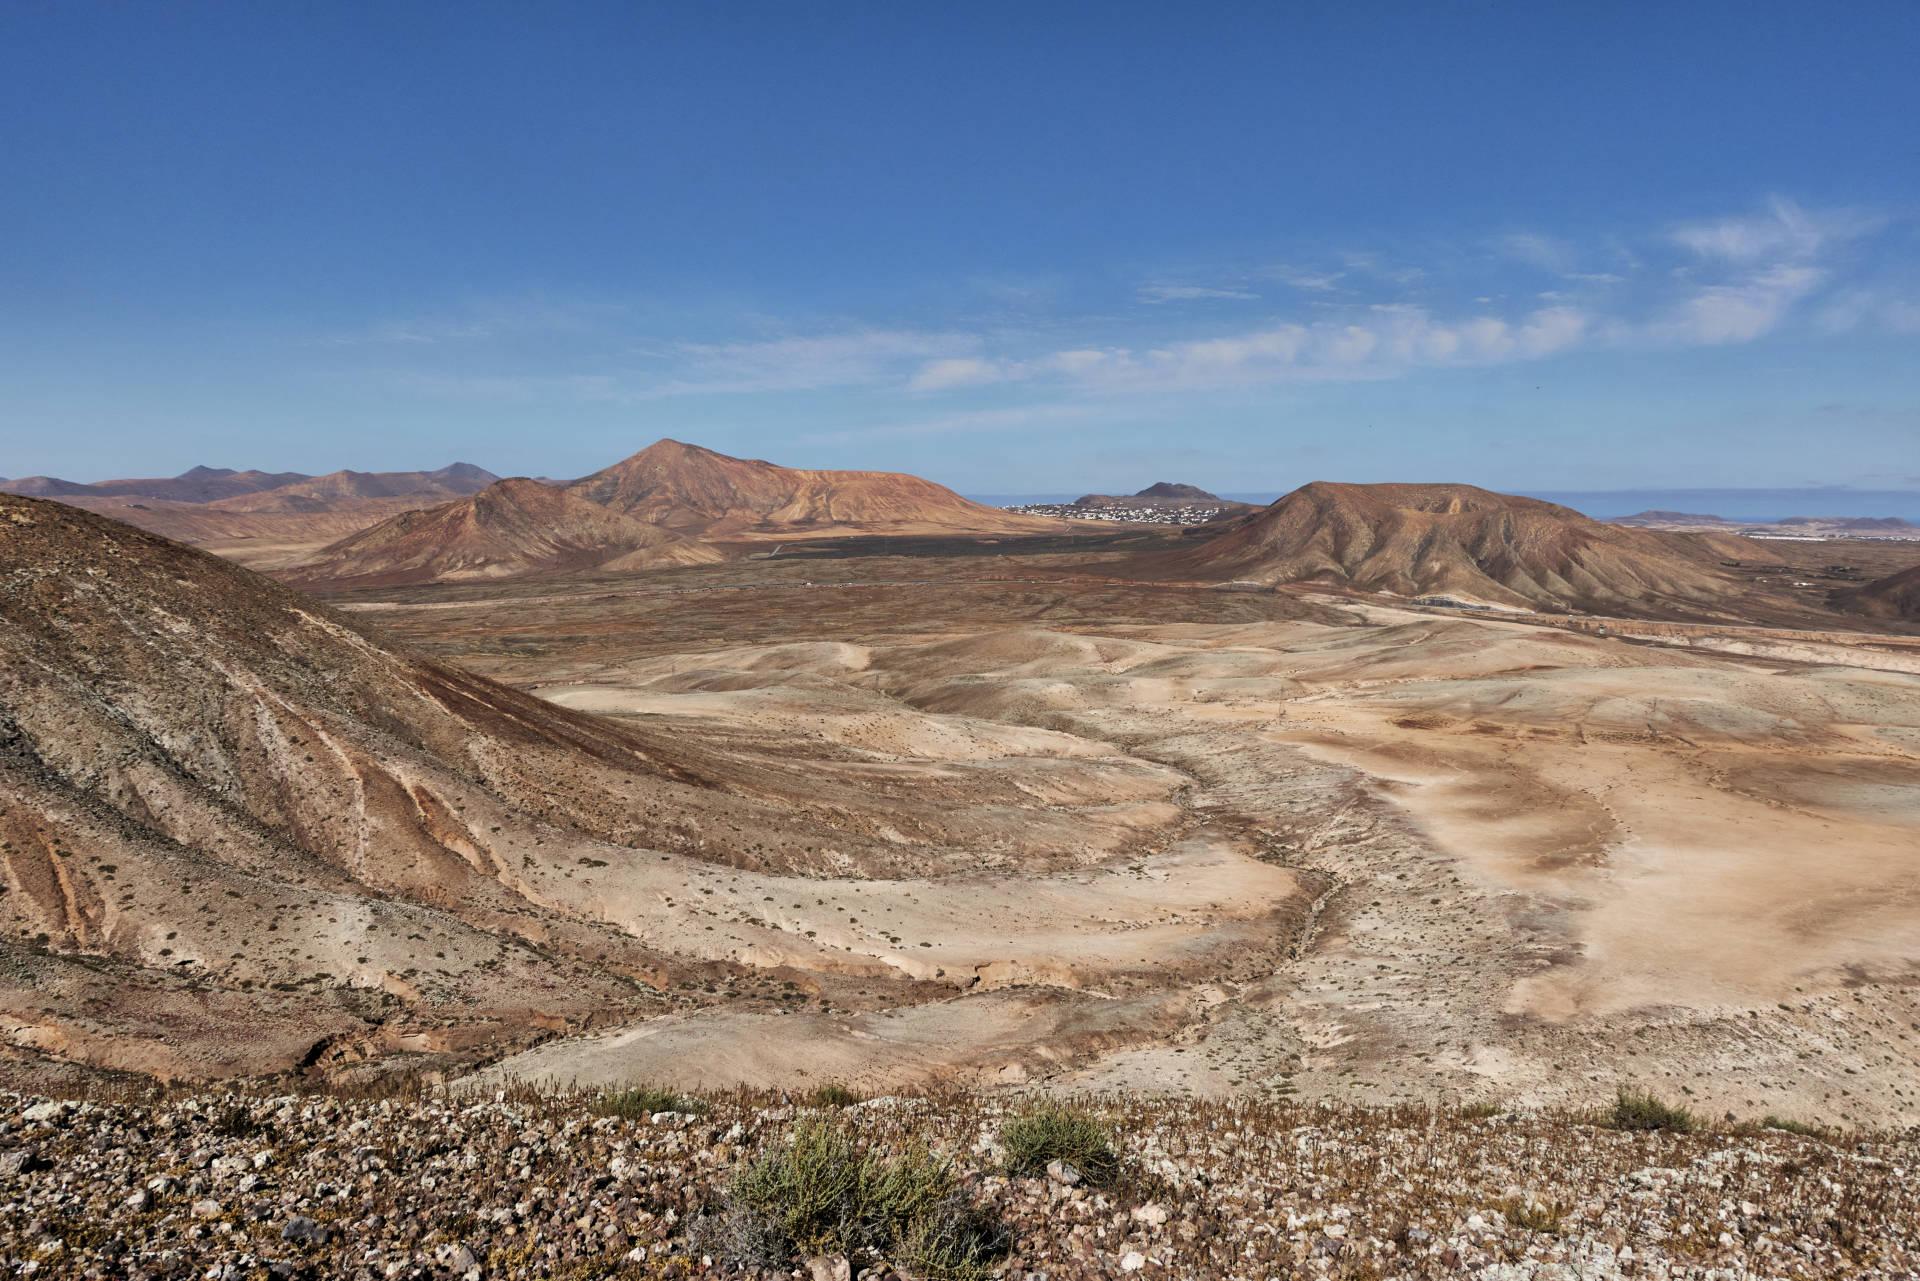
(1605, 504)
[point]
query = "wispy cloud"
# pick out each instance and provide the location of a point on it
(480, 321)
(1012, 419)
(1319, 284)
(1851, 309)
(1162, 291)
(1738, 312)
(941, 375)
(1537, 250)
(1783, 231)
(1718, 282)
(1387, 340)
(804, 362)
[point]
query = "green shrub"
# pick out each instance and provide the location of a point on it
(1054, 1132)
(238, 1122)
(1808, 1129)
(1531, 1216)
(822, 1193)
(642, 1101)
(1640, 1110)
(833, 1095)
(955, 1241)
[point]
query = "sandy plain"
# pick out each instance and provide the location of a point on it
(1300, 845)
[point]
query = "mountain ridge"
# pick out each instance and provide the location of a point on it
(1415, 539)
(203, 484)
(513, 527)
(707, 494)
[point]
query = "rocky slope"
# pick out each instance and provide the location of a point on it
(218, 484)
(240, 834)
(710, 495)
(523, 1186)
(510, 528)
(195, 485)
(1895, 596)
(454, 479)
(1456, 540)
(258, 518)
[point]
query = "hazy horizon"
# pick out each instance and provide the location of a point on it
(1755, 504)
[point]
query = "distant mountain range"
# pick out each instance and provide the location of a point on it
(216, 484)
(670, 504)
(1739, 505)
(677, 504)
(1805, 526)
(1764, 506)
(259, 518)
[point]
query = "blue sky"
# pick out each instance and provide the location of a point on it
(1017, 248)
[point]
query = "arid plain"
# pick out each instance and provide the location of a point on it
(709, 771)
(1298, 842)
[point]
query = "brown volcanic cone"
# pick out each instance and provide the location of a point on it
(514, 527)
(698, 491)
(1895, 596)
(1458, 540)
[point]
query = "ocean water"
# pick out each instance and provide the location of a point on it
(1740, 504)
(1733, 504)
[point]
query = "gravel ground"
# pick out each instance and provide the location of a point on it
(523, 1185)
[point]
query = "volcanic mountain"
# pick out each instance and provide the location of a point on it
(1167, 496)
(1657, 519)
(710, 495)
(223, 484)
(239, 834)
(195, 485)
(1849, 524)
(323, 492)
(1172, 489)
(1457, 540)
(261, 519)
(513, 527)
(1895, 596)
(1160, 492)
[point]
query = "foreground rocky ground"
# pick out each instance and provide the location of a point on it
(520, 1185)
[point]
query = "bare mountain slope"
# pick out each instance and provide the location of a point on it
(514, 527)
(274, 529)
(195, 485)
(1462, 541)
(225, 485)
(707, 494)
(262, 519)
(1895, 596)
(319, 492)
(240, 834)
